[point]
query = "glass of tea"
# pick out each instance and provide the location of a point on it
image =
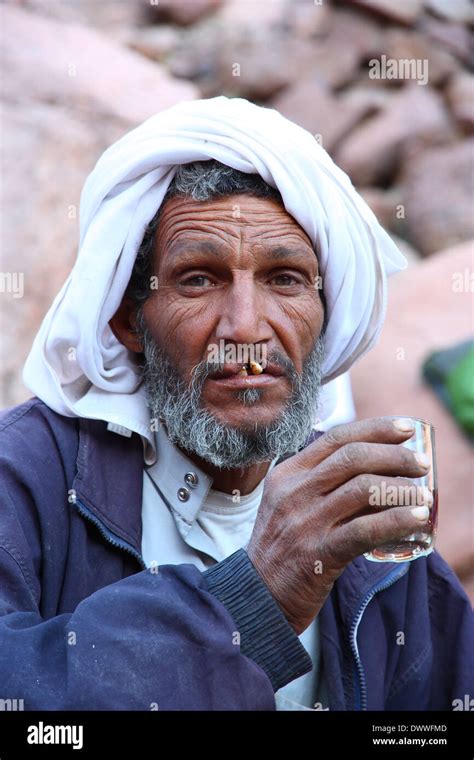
(421, 542)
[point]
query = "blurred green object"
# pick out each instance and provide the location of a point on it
(451, 375)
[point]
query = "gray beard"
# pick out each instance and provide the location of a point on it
(195, 430)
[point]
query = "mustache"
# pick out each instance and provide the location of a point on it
(175, 398)
(203, 369)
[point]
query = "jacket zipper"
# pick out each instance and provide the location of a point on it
(385, 583)
(119, 543)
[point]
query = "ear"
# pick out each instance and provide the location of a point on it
(123, 325)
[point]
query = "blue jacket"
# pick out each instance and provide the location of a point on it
(84, 625)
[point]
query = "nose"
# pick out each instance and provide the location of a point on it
(243, 317)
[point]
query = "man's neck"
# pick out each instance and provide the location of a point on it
(243, 479)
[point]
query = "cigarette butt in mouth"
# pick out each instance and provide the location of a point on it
(243, 372)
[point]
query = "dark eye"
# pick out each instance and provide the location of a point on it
(285, 280)
(198, 281)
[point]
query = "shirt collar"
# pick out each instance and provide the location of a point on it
(182, 484)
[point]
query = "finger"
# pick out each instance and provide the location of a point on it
(368, 493)
(373, 430)
(358, 458)
(363, 534)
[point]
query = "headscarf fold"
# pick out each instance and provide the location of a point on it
(76, 364)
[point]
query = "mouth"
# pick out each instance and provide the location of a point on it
(252, 374)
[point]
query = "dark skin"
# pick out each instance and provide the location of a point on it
(251, 280)
(222, 278)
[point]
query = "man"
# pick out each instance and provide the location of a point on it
(174, 532)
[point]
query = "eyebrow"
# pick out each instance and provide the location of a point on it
(282, 252)
(196, 247)
(276, 253)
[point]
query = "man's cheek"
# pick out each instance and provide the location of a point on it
(184, 320)
(301, 325)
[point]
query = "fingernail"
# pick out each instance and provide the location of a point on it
(423, 459)
(403, 424)
(421, 513)
(427, 497)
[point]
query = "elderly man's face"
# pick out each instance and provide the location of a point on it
(234, 271)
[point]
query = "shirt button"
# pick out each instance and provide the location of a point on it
(191, 479)
(183, 494)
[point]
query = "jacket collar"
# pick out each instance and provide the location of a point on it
(109, 479)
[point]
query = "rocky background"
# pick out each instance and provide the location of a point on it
(77, 74)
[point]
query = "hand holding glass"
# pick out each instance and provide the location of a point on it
(420, 543)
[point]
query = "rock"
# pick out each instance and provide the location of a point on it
(389, 210)
(108, 17)
(308, 20)
(47, 153)
(244, 71)
(386, 205)
(68, 65)
(311, 105)
(211, 56)
(256, 16)
(196, 57)
(154, 42)
(460, 94)
(364, 33)
(456, 38)
(388, 381)
(54, 127)
(438, 196)
(372, 151)
(402, 45)
(228, 60)
(454, 10)
(183, 12)
(57, 9)
(405, 12)
(350, 41)
(370, 97)
(335, 66)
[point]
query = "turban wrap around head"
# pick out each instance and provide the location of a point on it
(76, 364)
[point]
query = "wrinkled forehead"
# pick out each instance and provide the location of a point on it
(243, 218)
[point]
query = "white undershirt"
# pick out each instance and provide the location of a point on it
(205, 528)
(228, 520)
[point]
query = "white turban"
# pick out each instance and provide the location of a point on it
(79, 368)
